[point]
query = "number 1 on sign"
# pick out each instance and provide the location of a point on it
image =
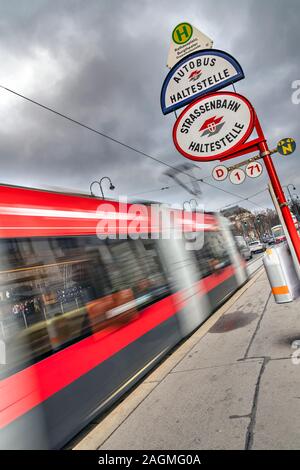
(237, 176)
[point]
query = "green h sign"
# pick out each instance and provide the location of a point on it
(182, 33)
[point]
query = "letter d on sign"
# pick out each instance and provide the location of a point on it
(220, 173)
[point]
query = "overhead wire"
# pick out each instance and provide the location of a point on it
(119, 142)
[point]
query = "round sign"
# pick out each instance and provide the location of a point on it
(286, 146)
(220, 173)
(182, 33)
(254, 169)
(214, 126)
(237, 176)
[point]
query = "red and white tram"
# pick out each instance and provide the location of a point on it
(82, 318)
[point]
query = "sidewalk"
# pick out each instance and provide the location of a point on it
(232, 385)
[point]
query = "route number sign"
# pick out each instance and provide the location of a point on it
(220, 173)
(237, 176)
(254, 169)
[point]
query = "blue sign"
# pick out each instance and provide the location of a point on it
(197, 75)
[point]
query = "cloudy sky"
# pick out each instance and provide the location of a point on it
(103, 62)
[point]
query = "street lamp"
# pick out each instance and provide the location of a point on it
(245, 229)
(111, 186)
(190, 204)
(293, 187)
(257, 231)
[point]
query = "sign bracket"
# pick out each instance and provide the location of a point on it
(251, 160)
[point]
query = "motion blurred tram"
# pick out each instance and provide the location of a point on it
(84, 316)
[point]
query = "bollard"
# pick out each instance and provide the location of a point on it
(281, 273)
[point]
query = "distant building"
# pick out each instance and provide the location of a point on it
(242, 221)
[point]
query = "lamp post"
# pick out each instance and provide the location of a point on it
(294, 189)
(244, 225)
(255, 229)
(293, 204)
(257, 226)
(111, 186)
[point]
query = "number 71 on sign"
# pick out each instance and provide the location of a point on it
(254, 169)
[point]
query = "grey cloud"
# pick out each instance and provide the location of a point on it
(110, 57)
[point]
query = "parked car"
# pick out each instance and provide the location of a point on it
(257, 247)
(243, 248)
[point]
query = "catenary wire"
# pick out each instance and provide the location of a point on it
(123, 144)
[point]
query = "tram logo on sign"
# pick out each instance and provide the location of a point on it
(197, 75)
(214, 126)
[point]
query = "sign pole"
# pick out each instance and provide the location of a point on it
(283, 204)
(214, 125)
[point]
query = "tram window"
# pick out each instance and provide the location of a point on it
(54, 291)
(138, 262)
(153, 266)
(204, 256)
